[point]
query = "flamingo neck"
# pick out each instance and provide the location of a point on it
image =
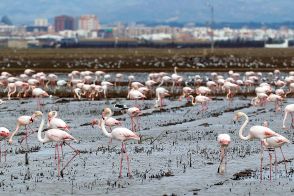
(14, 132)
(284, 120)
(43, 140)
(104, 131)
(193, 100)
(161, 83)
(242, 128)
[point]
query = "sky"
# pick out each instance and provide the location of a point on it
(109, 11)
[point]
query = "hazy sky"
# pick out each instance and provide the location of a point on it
(24, 11)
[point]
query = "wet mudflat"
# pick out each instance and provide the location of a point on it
(178, 153)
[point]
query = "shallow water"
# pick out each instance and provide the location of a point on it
(183, 160)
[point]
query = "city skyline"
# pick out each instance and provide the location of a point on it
(108, 11)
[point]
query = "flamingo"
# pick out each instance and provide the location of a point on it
(203, 100)
(39, 93)
(255, 132)
(273, 143)
(277, 99)
(56, 123)
(121, 134)
(11, 90)
(57, 136)
(224, 140)
(77, 93)
(289, 109)
(186, 92)
(177, 79)
(25, 121)
(4, 134)
(134, 112)
(160, 94)
(110, 121)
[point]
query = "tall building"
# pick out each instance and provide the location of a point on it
(63, 23)
(41, 22)
(88, 22)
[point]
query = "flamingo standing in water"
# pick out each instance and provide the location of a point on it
(25, 121)
(160, 94)
(255, 132)
(121, 134)
(289, 109)
(56, 123)
(134, 112)
(273, 143)
(203, 100)
(39, 93)
(60, 137)
(4, 134)
(277, 99)
(109, 121)
(224, 140)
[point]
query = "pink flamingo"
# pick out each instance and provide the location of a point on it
(134, 112)
(58, 136)
(121, 134)
(56, 123)
(160, 94)
(203, 100)
(11, 90)
(277, 99)
(4, 134)
(109, 121)
(203, 90)
(289, 109)
(177, 79)
(224, 140)
(273, 143)
(39, 93)
(25, 121)
(186, 92)
(231, 89)
(135, 94)
(258, 132)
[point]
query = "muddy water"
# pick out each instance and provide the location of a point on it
(178, 155)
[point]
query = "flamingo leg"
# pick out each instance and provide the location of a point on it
(77, 152)
(121, 160)
(58, 161)
(62, 155)
(292, 122)
(285, 161)
(226, 159)
(5, 151)
(110, 139)
(128, 161)
(138, 124)
(270, 156)
(276, 160)
(132, 122)
(27, 134)
(261, 159)
(222, 154)
(55, 153)
(25, 137)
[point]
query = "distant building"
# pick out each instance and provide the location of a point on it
(37, 29)
(41, 22)
(63, 23)
(88, 23)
